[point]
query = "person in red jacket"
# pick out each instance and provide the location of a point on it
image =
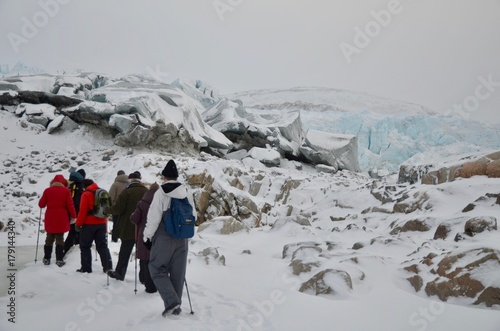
(92, 228)
(60, 208)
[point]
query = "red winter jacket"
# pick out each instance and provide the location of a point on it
(60, 206)
(86, 205)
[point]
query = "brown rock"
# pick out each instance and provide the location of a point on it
(317, 284)
(468, 208)
(417, 282)
(413, 225)
(475, 168)
(428, 259)
(490, 297)
(493, 169)
(413, 268)
(480, 224)
(298, 266)
(457, 287)
(442, 231)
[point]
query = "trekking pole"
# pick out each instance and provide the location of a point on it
(38, 235)
(108, 257)
(189, 297)
(135, 290)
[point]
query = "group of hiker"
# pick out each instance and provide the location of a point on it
(137, 213)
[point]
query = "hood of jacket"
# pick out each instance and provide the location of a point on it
(59, 179)
(92, 187)
(174, 189)
(121, 178)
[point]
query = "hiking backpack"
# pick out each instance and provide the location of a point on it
(179, 219)
(102, 201)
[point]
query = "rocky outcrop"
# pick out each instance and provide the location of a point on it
(459, 275)
(464, 167)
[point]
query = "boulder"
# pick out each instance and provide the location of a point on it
(480, 224)
(336, 150)
(328, 282)
(412, 225)
(442, 231)
(223, 225)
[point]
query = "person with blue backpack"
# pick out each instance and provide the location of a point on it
(170, 223)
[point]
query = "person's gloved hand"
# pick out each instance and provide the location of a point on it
(78, 228)
(148, 244)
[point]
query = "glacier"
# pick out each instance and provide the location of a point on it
(388, 132)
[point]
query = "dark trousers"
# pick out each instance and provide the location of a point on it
(97, 233)
(167, 264)
(126, 248)
(145, 276)
(72, 239)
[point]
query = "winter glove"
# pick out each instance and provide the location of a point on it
(78, 228)
(72, 221)
(148, 244)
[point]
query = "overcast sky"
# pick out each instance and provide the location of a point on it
(437, 53)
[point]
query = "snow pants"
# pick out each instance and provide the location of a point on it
(167, 265)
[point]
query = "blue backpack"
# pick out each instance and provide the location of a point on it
(179, 219)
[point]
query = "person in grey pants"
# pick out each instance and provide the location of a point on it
(168, 257)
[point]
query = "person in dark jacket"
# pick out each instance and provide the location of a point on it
(60, 209)
(115, 190)
(124, 207)
(76, 189)
(139, 218)
(92, 228)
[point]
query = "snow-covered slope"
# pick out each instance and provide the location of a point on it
(249, 280)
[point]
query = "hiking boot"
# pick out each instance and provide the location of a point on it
(177, 311)
(115, 275)
(47, 254)
(170, 309)
(83, 271)
(60, 263)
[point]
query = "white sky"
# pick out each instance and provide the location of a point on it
(431, 53)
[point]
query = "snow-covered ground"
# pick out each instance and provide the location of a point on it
(253, 287)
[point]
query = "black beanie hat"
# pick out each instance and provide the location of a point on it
(170, 170)
(81, 172)
(134, 175)
(87, 182)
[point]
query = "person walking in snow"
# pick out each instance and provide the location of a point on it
(92, 228)
(168, 257)
(139, 218)
(115, 190)
(124, 207)
(76, 189)
(60, 209)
